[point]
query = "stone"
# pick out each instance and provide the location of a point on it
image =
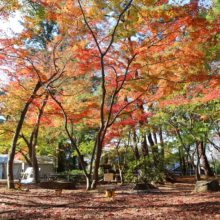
(57, 185)
(206, 185)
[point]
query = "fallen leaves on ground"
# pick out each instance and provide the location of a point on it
(40, 203)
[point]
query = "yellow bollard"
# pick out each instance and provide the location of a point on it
(110, 192)
(58, 191)
(18, 186)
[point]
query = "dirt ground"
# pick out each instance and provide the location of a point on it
(175, 202)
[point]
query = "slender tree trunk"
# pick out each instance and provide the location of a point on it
(205, 163)
(120, 169)
(30, 152)
(119, 166)
(180, 160)
(135, 148)
(35, 166)
(161, 143)
(34, 159)
(216, 171)
(144, 146)
(121, 175)
(60, 165)
(68, 163)
(88, 182)
(26, 159)
(97, 161)
(92, 159)
(190, 157)
(35, 138)
(187, 161)
(154, 149)
(79, 162)
(197, 165)
(184, 165)
(72, 141)
(10, 179)
(197, 174)
(105, 121)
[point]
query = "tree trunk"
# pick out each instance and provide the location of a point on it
(35, 166)
(197, 165)
(26, 159)
(197, 174)
(216, 169)
(119, 167)
(184, 166)
(121, 175)
(35, 138)
(92, 158)
(205, 163)
(135, 148)
(161, 143)
(88, 183)
(73, 143)
(190, 157)
(187, 161)
(144, 146)
(182, 161)
(154, 149)
(97, 161)
(68, 162)
(60, 165)
(10, 179)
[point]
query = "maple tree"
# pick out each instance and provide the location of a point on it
(12, 119)
(28, 67)
(148, 71)
(110, 59)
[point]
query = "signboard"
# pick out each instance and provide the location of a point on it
(108, 177)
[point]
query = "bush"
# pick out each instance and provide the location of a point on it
(73, 172)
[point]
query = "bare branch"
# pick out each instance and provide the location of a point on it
(113, 33)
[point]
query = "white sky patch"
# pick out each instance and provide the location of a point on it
(16, 27)
(3, 78)
(1, 117)
(12, 23)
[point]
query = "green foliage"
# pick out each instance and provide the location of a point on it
(84, 137)
(215, 166)
(85, 147)
(73, 172)
(46, 33)
(214, 11)
(33, 10)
